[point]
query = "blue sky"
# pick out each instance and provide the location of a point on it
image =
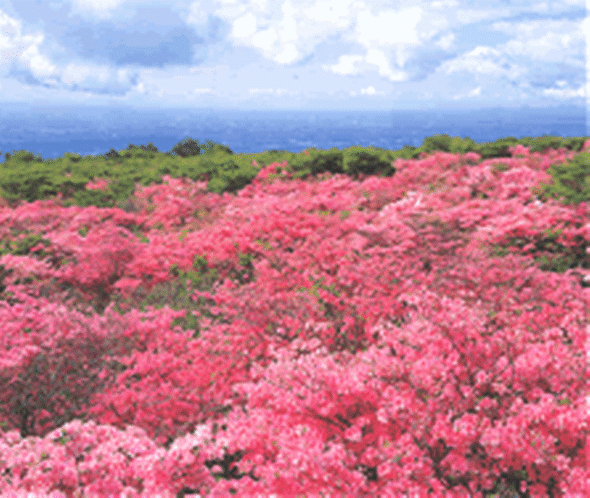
(294, 54)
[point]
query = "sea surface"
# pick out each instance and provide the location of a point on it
(50, 131)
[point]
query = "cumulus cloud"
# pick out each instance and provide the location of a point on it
(244, 26)
(544, 39)
(483, 60)
(286, 32)
(389, 27)
(346, 64)
(22, 57)
(464, 50)
(19, 53)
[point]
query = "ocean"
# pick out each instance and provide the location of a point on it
(51, 131)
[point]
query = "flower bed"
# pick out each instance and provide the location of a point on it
(335, 337)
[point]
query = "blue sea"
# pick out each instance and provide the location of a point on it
(51, 131)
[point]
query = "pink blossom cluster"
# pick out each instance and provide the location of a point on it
(381, 347)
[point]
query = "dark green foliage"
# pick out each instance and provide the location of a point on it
(407, 152)
(25, 177)
(23, 185)
(86, 198)
(323, 161)
(229, 183)
(367, 162)
(545, 142)
(445, 143)
(295, 161)
(211, 147)
(22, 156)
(149, 147)
(72, 184)
(541, 144)
(227, 173)
(436, 142)
(121, 188)
(72, 157)
(186, 148)
(574, 143)
(499, 148)
(549, 254)
(571, 181)
(112, 154)
(462, 146)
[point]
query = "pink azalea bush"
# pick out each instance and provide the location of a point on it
(381, 347)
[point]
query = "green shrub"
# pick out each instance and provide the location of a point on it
(17, 185)
(541, 144)
(571, 181)
(74, 158)
(23, 156)
(149, 147)
(323, 161)
(367, 162)
(211, 147)
(186, 148)
(407, 152)
(462, 146)
(111, 154)
(574, 143)
(499, 148)
(436, 142)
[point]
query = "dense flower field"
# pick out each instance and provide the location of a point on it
(386, 336)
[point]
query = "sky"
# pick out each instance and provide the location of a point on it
(294, 54)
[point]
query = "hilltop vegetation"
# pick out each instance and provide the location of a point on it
(25, 176)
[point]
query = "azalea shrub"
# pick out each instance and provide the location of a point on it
(417, 334)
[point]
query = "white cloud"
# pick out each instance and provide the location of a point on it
(265, 39)
(482, 60)
(244, 26)
(22, 51)
(288, 26)
(565, 93)
(379, 59)
(548, 41)
(288, 55)
(378, 39)
(196, 15)
(475, 92)
(330, 11)
(446, 41)
(389, 27)
(289, 31)
(346, 64)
